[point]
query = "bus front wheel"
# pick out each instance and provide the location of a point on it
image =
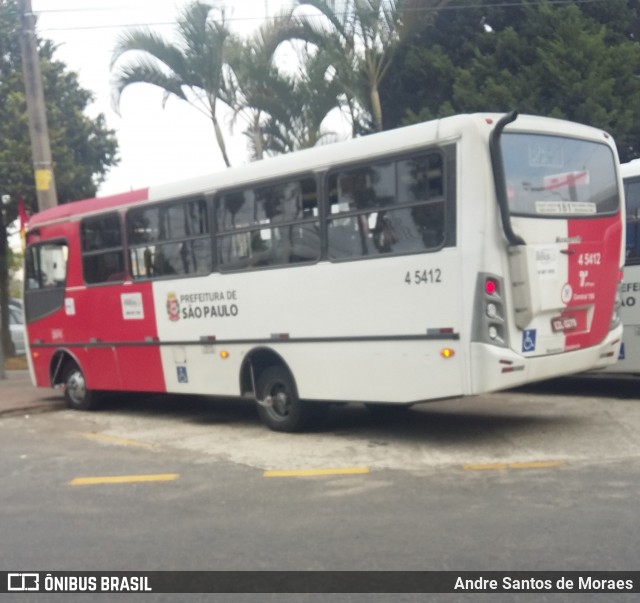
(76, 393)
(278, 404)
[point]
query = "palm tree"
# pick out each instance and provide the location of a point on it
(298, 120)
(362, 37)
(284, 111)
(192, 69)
(256, 85)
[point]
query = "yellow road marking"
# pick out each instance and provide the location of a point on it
(123, 479)
(103, 437)
(522, 465)
(317, 472)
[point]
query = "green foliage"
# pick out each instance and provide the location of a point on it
(83, 148)
(362, 37)
(578, 61)
(191, 69)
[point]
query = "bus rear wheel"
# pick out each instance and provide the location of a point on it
(76, 393)
(279, 407)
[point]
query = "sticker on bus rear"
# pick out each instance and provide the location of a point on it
(183, 377)
(529, 340)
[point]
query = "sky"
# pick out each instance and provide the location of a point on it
(156, 145)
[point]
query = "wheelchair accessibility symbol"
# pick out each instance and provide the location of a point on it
(182, 374)
(529, 340)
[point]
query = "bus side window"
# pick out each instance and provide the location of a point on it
(269, 225)
(632, 199)
(102, 249)
(45, 278)
(169, 239)
(388, 207)
(46, 265)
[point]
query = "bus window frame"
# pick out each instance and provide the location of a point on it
(34, 308)
(447, 153)
(171, 202)
(559, 216)
(265, 183)
(122, 248)
(634, 260)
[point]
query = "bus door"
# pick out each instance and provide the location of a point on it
(561, 218)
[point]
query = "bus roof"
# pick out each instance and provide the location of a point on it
(309, 160)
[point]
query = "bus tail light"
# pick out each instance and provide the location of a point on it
(447, 352)
(616, 319)
(491, 286)
(489, 324)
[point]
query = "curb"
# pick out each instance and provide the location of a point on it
(32, 410)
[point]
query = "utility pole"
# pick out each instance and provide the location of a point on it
(38, 128)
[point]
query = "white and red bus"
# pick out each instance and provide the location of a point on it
(629, 360)
(464, 255)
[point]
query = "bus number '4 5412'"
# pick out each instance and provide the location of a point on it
(423, 277)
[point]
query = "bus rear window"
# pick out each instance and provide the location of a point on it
(557, 177)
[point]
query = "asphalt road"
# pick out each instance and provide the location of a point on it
(540, 479)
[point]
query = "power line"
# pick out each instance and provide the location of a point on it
(506, 4)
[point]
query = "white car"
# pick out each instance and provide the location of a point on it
(16, 327)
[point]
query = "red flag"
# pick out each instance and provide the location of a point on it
(23, 216)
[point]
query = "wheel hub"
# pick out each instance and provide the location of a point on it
(77, 387)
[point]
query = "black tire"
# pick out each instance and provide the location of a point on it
(76, 394)
(281, 409)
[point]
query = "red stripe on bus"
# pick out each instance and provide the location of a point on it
(593, 274)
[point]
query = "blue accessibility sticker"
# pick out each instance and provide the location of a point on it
(182, 374)
(529, 340)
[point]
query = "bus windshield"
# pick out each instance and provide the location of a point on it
(555, 177)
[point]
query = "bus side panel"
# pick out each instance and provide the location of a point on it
(629, 360)
(100, 367)
(377, 328)
(120, 352)
(140, 365)
(141, 368)
(40, 363)
(403, 372)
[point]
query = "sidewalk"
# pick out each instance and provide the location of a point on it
(17, 395)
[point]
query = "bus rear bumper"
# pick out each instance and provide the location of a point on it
(499, 368)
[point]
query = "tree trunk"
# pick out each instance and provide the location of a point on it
(220, 139)
(376, 108)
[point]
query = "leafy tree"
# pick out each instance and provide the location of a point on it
(83, 149)
(361, 37)
(192, 69)
(568, 60)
